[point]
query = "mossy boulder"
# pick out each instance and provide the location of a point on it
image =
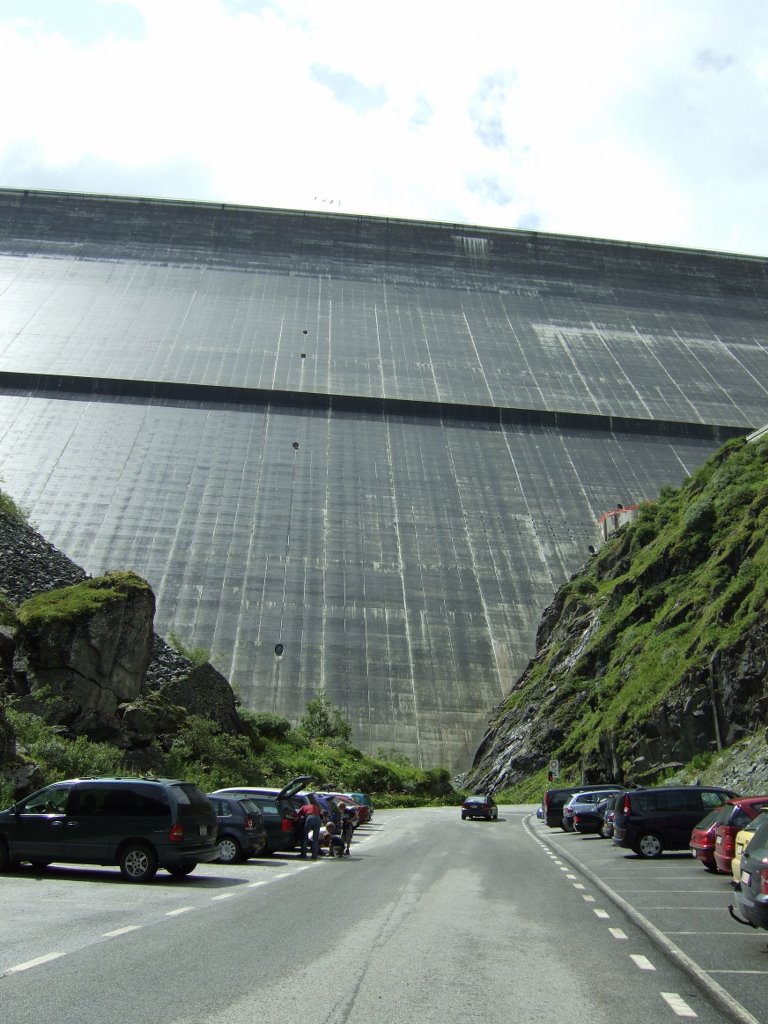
(83, 650)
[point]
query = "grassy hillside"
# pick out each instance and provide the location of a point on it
(654, 613)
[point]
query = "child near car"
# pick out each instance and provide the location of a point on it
(347, 828)
(332, 839)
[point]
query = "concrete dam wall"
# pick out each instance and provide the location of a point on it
(353, 452)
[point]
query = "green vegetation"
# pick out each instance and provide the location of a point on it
(197, 655)
(67, 603)
(271, 753)
(9, 507)
(58, 757)
(655, 605)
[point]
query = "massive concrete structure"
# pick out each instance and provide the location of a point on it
(353, 452)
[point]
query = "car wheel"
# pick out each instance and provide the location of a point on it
(712, 868)
(138, 862)
(230, 850)
(649, 846)
(463, 817)
(182, 870)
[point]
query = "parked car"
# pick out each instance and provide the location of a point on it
(588, 818)
(364, 800)
(555, 799)
(607, 815)
(742, 810)
(652, 820)
(584, 805)
(343, 800)
(703, 837)
(139, 824)
(241, 832)
(481, 805)
(750, 897)
(279, 811)
(742, 841)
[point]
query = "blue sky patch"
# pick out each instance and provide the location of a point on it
(347, 90)
(82, 22)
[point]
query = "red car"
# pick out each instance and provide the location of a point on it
(703, 837)
(742, 809)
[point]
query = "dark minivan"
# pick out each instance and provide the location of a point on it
(139, 824)
(555, 799)
(660, 818)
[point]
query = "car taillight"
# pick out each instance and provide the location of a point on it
(626, 807)
(576, 819)
(287, 825)
(248, 823)
(176, 833)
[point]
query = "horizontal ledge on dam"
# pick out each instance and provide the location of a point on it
(61, 386)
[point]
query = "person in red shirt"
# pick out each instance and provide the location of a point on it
(310, 813)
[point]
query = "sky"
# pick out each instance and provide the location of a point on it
(644, 120)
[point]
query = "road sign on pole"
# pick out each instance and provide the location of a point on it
(554, 768)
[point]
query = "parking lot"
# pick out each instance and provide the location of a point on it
(682, 907)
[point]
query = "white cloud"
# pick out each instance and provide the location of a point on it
(634, 120)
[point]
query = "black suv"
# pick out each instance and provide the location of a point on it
(660, 818)
(140, 824)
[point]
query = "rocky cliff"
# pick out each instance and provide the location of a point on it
(82, 654)
(654, 656)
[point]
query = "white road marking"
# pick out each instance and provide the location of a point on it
(588, 899)
(179, 910)
(678, 1004)
(618, 933)
(34, 963)
(255, 885)
(641, 961)
(223, 896)
(568, 875)
(578, 885)
(601, 913)
(121, 931)
(724, 971)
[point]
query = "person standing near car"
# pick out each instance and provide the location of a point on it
(311, 818)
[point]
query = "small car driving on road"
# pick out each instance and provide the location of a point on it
(481, 805)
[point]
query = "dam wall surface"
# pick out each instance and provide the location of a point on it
(376, 446)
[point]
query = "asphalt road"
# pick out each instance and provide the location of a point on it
(430, 920)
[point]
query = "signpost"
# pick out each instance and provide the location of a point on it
(554, 770)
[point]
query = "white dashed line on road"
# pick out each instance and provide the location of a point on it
(618, 933)
(587, 898)
(34, 963)
(678, 1004)
(641, 962)
(579, 885)
(179, 910)
(603, 914)
(223, 896)
(121, 931)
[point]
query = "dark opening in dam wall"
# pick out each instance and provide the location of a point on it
(380, 444)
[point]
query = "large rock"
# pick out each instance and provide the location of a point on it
(205, 691)
(83, 650)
